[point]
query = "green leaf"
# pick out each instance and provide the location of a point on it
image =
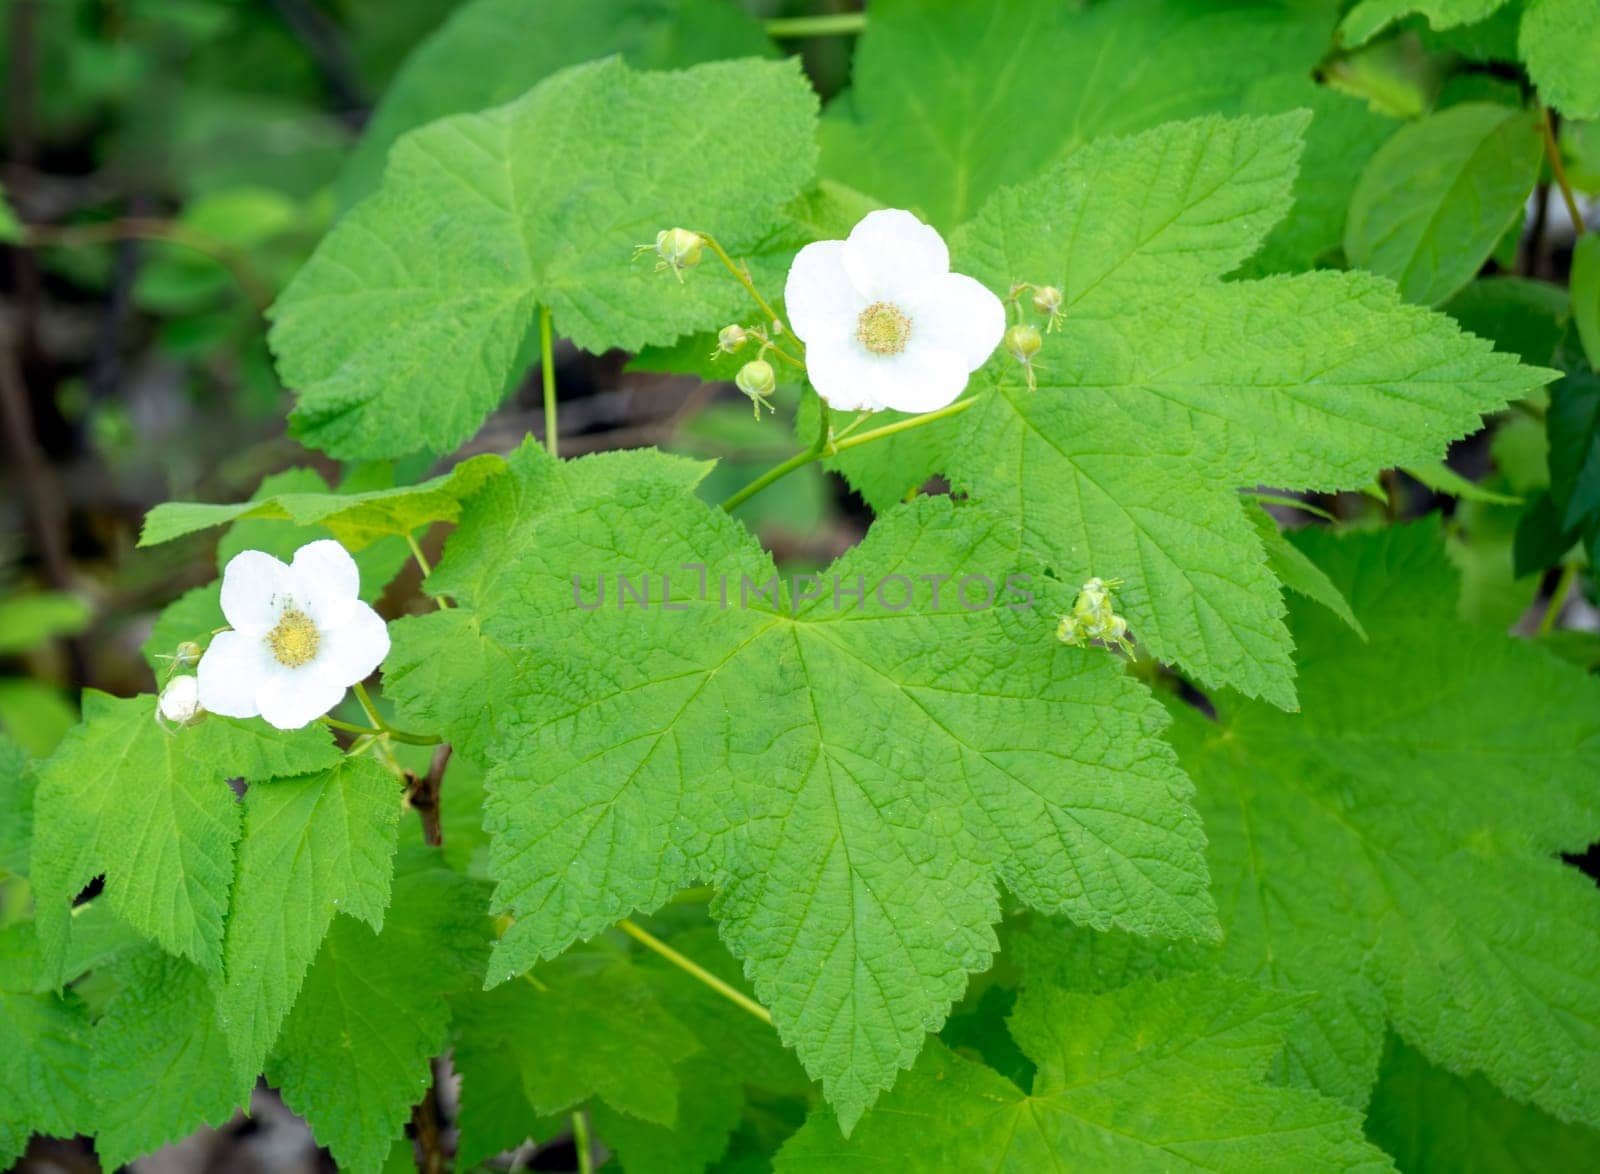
(17, 785)
(1560, 42)
(904, 762)
(44, 1067)
(1586, 295)
(1156, 1076)
(29, 621)
(1299, 574)
(1572, 424)
(1151, 410)
(1370, 17)
(1516, 314)
(313, 846)
(915, 132)
(1381, 849)
(1429, 1119)
(401, 335)
(1438, 196)
(491, 51)
(150, 808)
(161, 1067)
(584, 1025)
(1441, 478)
(355, 519)
(10, 227)
(353, 1055)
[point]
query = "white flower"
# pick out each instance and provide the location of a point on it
(301, 636)
(180, 700)
(885, 322)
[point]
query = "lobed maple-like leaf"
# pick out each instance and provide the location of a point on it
(402, 330)
(903, 762)
(1155, 1076)
(914, 131)
(1164, 390)
(1383, 849)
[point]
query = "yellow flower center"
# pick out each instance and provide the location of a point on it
(883, 329)
(294, 641)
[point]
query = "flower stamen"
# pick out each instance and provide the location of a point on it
(883, 329)
(295, 639)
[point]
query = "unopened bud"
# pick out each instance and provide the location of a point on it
(180, 700)
(758, 381)
(186, 655)
(1047, 300)
(731, 338)
(1022, 342)
(679, 249)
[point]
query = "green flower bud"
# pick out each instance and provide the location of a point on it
(1047, 300)
(757, 380)
(731, 338)
(678, 249)
(187, 654)
(1022, 343)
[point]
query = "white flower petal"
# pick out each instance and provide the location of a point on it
(844, 374)
(921, 379)
(818, 296)
(890, 251)
(960, 314)
(325, 582)
(293, 698)
(254, 587)
(351, 651)
(232, 671)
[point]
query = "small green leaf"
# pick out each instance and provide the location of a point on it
(1585, 288)
(1155, 1076)
(401, 332)
(161, 1067)
(354, 1053)
(1441, 478)
(584, 1025)
(491, 51)
(150, 808)
(1560, 42)
(313, 846)
(1370, 17)
(32, 620)
(1572, 424)
(1299, 574)
(1438, 196)
(44, 1067)
(355, 519)
(10, 227)
(1430, 1119)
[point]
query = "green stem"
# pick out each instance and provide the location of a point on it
(694, 970)
(1553, 152)
(422, 562)
(832, 24)
(383, 727)
(547, 371)
(944, 413)
(827, 447)
(145, 228)
(742, 276)
(819, 448)
(1558, 599)
(580, 1142)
